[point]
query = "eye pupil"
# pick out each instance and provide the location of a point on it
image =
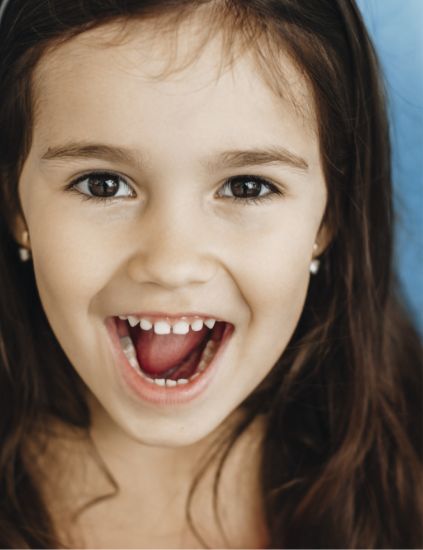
(245, 187)
(103, 186)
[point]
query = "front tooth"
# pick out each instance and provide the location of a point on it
(210, 323)
(145, 324)
(133, 321)
(160, 381)
(161, 327)
(181, 327)
(182, 381)
(170, 382)
(122, 317)
(197, 325)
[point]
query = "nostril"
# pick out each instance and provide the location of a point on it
(171, 270)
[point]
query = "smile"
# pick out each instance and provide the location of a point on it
(169, 357)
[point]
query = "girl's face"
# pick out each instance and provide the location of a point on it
(209, 196)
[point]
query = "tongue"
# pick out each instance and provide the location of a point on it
(158, 353)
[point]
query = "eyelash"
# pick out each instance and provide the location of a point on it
(100, 200)
(273, 191)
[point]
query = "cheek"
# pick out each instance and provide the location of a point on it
(275, 288)
(273, 276)
(271, 266)
(71, 262)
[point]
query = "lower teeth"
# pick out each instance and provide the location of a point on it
(130, 353)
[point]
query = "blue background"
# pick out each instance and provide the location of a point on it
(396, 27)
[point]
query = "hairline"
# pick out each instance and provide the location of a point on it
(122, 29)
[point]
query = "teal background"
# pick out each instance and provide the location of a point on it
(396, 27)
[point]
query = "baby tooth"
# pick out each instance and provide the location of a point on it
(122, 317)
(160, 381)
(211, 346)
(210, 323)
(170, 383)
(182, 381)
(128, 347)
(203, 364)
(197, 325)
(130, 351)
(125, 342)
(161, 327)
(208, 351)
(181, 327)
(145, 324)
(133, 321)
(133, 362)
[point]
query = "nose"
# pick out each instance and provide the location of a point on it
(172, 252)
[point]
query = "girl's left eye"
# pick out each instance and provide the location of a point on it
(101, 186)
(248, 189)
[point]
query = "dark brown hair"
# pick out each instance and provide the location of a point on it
(342, 451)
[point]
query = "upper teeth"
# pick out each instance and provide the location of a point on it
(145, 324)
(164, 327)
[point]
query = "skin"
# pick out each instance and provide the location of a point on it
(175, 245)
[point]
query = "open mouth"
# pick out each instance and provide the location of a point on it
(170, 353)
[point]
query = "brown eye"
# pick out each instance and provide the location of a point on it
(103, 185)
(247, 187)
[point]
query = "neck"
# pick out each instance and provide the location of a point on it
(126, 458)
(147, 483)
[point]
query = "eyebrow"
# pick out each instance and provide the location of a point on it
(258, 157)
(80, 150)
(224, 159)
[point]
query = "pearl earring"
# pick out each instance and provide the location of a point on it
(314, 266)
(24, 253)
(315, 263)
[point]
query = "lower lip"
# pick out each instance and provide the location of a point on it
(162, 395)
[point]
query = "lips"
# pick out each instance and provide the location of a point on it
(188, 377)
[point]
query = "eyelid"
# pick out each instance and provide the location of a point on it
(85, 196)
(274, 189)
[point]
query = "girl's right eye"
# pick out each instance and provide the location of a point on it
(101, 186)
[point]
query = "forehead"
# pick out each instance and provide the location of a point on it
(97, 74)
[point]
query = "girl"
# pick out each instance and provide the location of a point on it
(200, 339)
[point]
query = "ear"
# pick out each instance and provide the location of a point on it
(323, 239)
(18, 230)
